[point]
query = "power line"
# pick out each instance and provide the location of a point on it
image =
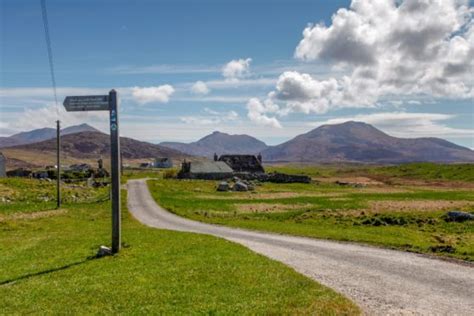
(50, 52)
(53, 81)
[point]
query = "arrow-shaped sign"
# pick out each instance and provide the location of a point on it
(87, 103)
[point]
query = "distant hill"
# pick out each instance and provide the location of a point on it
(96, 144)
(220, 143)
(361, 142)
(42, 134)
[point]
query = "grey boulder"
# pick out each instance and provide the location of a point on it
(223, 187)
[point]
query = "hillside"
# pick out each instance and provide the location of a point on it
(361, 142)
(42, 134)
(220, 143)
(96, 144)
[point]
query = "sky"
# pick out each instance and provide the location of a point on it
(270, 69)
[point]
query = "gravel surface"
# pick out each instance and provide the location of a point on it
(380, 281)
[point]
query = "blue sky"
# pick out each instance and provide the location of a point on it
(258, 73)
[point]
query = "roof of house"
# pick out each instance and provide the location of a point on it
(210, 167)
(242, 163)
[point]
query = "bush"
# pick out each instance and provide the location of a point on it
(170, 174)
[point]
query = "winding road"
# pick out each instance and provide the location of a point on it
(380, 281)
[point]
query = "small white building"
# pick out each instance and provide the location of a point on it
(3, 168)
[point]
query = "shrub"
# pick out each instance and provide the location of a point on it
(170, 174)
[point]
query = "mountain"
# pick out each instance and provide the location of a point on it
(42, 134)
(220, 143)
(361, 142)
(95, 144)
(78, 129)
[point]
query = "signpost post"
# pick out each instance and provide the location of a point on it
(106, 103)
(115, 171)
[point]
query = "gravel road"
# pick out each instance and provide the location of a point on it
(380, 281)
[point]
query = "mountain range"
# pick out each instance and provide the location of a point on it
(92, 144)
(42, 134)
(347, 142)
(361, 142)
(219, 143)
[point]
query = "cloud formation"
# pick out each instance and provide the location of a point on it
(236, 69)
(159, 94)
(200, 88)
(46, 116)
(407, 48)
(257, 112)
(213, 118)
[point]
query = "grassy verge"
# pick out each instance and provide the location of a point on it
(32, 195)
(406, 218)
(48, 267)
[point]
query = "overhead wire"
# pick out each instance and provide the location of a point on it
(50, 53)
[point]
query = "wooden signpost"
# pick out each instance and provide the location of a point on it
(106, 103)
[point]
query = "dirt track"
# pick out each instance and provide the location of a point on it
(380, 281)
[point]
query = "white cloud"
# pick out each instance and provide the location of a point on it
(47, 116)
(236, 69)
(214, 118)
(254, 82)
(200, 88)
(214, 99)
(164, 69)
(200, 120)
(400, 49)
(257, 109)
(41, 93)
(403, 124)
(159, 94)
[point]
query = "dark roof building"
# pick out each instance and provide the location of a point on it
(3, 162)
(243, 163)
(210, 170)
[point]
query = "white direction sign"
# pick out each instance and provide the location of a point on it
(87, 103)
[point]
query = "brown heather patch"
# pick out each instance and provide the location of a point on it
(339, 199)
(267, 195)
(6, 192)
(269, 208)
(416, 205)
(36, 215)
(445, 185)
(383, 189)
(352, 180)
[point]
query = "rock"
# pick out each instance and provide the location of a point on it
(236, 179)
(458, 216)
(223, 186)
(104, 251)
(240, 186)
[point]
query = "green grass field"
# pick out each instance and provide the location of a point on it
(416, 171)
(403, 217)
(48, 267)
